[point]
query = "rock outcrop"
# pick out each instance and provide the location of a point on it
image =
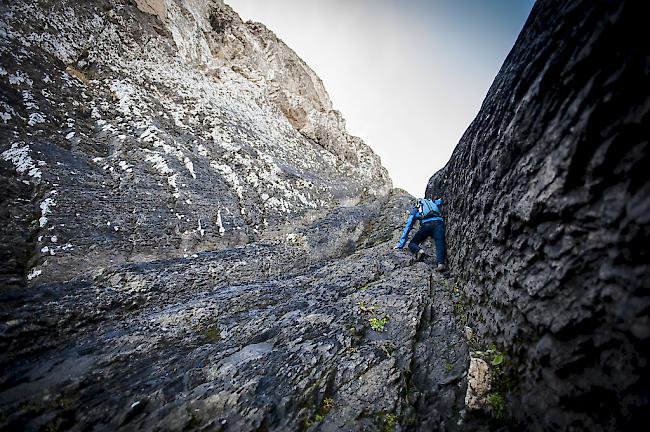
(159, 132)
(548, 203)
(193, 240)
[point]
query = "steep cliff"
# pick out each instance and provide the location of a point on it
(549, 198)
(194, 242)
(159, 132)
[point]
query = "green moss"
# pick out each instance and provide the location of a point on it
(212, 334)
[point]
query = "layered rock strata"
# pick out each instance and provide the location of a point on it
(193, 240)
(158, 129)
(549, 198)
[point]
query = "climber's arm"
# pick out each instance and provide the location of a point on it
(409, 224)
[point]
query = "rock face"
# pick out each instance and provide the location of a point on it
(194, 242)
(549, 202)
(158, 131)
(321, 325)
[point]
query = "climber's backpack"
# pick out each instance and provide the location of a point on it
(428, 208)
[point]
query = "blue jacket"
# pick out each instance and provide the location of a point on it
(416, 215)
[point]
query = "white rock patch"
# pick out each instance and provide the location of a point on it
(222, 230)
(46, 208)
(18, 155)
(34, 273)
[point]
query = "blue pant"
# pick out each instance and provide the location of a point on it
(435, 229)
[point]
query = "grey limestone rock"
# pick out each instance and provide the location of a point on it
(275, 334)
(160, 132)
(192, 241)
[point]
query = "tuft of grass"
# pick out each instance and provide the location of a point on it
(328, 403)
(498, 405)
(379, 324)
(389, 422)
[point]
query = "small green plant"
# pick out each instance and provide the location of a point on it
(449, 367)
(389, 422)
(328, 403)
(325, 408)
(379, 324)
(498, 405)
(504, 380)
(497, 359)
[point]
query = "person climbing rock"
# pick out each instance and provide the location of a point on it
(427, 211)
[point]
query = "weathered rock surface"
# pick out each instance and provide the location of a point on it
(271, 335)
(549, 204)
(192, 241)
(158, 132)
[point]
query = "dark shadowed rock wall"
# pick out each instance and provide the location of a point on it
(549, 203)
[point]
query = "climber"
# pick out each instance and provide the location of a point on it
(427, 211)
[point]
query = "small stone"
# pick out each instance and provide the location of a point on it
(479, 382)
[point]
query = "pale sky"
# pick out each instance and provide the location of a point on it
(408, 75)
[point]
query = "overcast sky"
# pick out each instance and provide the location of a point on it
(407, 75)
